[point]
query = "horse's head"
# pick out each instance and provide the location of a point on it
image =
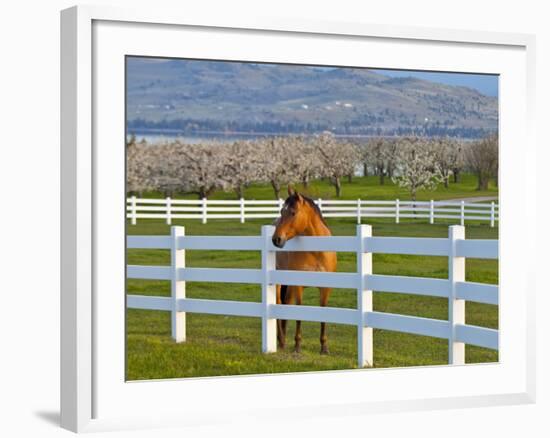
(293, 220)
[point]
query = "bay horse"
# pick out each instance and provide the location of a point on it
(300, 216)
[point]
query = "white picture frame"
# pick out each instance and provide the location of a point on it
(93, 396)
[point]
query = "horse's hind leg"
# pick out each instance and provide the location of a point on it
(298, 292)
(325, 292)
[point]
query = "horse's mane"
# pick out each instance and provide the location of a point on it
(292, 199)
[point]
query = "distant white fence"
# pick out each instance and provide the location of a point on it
(205, 209)
(456, 248)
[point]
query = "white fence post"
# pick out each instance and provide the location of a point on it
(431, 211)
(397, 211)
(281, 203)
(364, 298)
(320, 204)
(204, 212)
(169, 211)
(462, 213)
(363, 281)
(457, 308)
(133, 212)
(178, 287)
(359, 211)
(269, 292)
(242, 210)
(492, 214)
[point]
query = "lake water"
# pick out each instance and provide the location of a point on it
(161, 136)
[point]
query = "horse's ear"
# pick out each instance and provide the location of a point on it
(291, 190)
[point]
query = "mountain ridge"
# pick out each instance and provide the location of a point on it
(221, 95)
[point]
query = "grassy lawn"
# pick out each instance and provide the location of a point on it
(360, 187)
(221, 345)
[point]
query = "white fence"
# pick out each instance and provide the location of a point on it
(456, 248)
(205, 209)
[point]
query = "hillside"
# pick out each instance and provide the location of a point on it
(230, 96)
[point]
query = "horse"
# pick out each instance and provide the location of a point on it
(300, 216)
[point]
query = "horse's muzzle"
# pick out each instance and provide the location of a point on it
(278, 241)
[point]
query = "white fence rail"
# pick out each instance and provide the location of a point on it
(456, 248)
(243, 209)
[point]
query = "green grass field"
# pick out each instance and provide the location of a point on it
(223, 345)
(360, 187)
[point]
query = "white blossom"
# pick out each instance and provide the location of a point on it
(242, 165)
(338, 159)
(276, 162)
(449, 156)
(417, 166)
(482, 159)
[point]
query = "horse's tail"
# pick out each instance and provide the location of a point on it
(283, 293)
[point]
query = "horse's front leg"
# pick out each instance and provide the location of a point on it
(298, 290)
(284, 296)
(281, 328)
(325, 292)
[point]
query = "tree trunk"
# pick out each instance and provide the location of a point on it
(446, 182)
(205, 192)
(338, 186)
(381, 176)
(365, 169)
(240, 191)
(305, 182)
(482, 182)
(456, 175)
(350, 176)
(276, 189)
